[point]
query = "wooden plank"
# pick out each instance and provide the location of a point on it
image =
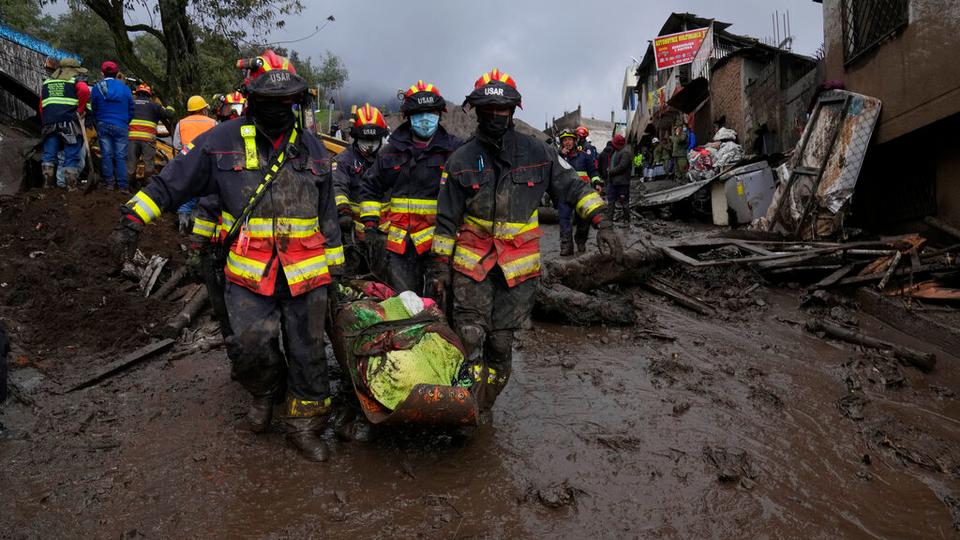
(663, 288)
(923, 361)
(834, 277)
(124, 363)
(943, 227)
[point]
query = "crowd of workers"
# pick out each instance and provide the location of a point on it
(452, 220)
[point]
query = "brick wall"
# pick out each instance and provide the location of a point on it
(763, 105)
(726, 94)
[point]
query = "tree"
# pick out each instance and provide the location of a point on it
(181, 22)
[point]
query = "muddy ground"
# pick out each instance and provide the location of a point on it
(741, 425)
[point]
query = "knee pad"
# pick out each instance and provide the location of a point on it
(472, 336)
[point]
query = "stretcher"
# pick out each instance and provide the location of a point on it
(426, 403)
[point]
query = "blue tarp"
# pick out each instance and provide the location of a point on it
(35, 44)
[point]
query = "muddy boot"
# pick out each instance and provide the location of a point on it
(566, 245)
(49, 175)
(260, 413)
(305, 421)
(71, 177)
(581, 248)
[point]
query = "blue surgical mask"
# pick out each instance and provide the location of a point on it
(425, 124)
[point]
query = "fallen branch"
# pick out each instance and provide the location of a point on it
(186, 316)
(942, 227)
(171, 283)
(920, 360)
(558, 301)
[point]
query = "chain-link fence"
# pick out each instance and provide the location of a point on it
(868, 22)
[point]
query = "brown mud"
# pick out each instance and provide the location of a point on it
(741, 425)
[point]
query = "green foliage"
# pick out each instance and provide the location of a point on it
(25, 16)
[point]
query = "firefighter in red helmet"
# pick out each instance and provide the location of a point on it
(408, 169)
(281, 244)
(487, 241)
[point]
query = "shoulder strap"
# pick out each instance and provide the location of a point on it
(249, 132)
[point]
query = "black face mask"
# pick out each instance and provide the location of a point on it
(274, 118)
(492, 125)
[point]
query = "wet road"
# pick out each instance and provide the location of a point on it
(733, 427)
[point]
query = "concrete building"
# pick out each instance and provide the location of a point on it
(901, 51)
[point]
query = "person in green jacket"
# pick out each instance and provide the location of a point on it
(678, 143)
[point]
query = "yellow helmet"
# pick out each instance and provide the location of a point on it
(196, 103)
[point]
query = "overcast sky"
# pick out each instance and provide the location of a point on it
(560, 52)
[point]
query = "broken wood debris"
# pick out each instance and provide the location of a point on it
(124, 363)
(920, 360)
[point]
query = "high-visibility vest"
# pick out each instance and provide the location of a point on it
(194, 125)
(59, 100)
(143, 126)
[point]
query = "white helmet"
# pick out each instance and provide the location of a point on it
(656, 140)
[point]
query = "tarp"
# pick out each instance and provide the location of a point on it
(34, 44)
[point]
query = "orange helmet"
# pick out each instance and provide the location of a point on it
(235, 98)
(143, 88)
(583, 132)
(422, 97)
(369, 124)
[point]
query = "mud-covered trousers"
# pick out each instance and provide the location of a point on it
(406, 272)
(568, 217)
(486, 314)
(259, 322)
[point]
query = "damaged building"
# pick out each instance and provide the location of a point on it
(763, 92)
(897, 51)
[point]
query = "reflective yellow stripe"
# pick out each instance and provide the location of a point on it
(59, 101)
(244, 267)
(422, 236)
(226, 221)
(521, 267)
(505, 230)
(144, 207)
(335, 256)
(306, 269)
(369, 209)
(396, 235)
(442, 245)
(588, 203)
(145, 123)
(289, 227)
(204, 228)
(413, 206)
(341, 199)
(466, 258)
(249, 134)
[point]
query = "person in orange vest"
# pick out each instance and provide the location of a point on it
(408, 168)
(487, 241)
(143, 130)
(187, 129)
(279, 215)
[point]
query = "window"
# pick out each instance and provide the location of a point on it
(868, 22)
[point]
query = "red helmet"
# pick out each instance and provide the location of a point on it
(422, 97)
(583, 132)
(495, 88)
(283, 80)
(369, 124)
(109, 68)
(143, 88)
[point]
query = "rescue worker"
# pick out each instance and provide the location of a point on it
(618, 184)
(113, 109)
(230, 106)
(63, 101)
(143, 130)
(196, 122)
(661, 158)
(487, 242)
(277, 199)
(678, 145)
(584, 144)
(408, 169)
(368, 130)
(586, 169)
